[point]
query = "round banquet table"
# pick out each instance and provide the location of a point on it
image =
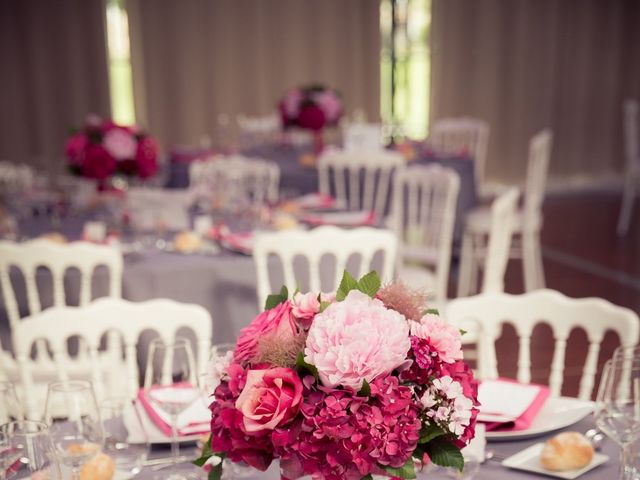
(489, 470)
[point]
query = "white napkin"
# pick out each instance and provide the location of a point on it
(189, 420)
(502, 401)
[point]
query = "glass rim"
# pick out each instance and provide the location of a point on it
(42, 427)
(70, 385)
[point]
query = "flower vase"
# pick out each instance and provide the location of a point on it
(318, 141)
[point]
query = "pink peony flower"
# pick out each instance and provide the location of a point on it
(277, 321)
(120, 143)
(270, 398)
(291, 103)
(330, 105)
(146, 157)
(356, 339)
(311, 117)
(75, 148)
(442, 337)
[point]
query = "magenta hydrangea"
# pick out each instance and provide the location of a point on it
(347, 436)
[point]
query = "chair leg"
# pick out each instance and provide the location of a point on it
(628, 197)
(466, 265)
(541, 282)
(529, 261)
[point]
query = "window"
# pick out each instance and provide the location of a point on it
(119, 58)
(405, 70)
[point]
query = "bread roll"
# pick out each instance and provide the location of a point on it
(566, 451)
(101, 467)
(187, 242)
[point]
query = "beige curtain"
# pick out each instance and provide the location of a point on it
(196, 59)
(528, 64)
(54, 72)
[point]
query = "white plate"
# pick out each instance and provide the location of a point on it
(556, 413)
(151, 433)
(529, 461)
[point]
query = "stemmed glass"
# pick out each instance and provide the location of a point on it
(27, 451)
(10, 409)
(74, 421)
(171, 384)
(617, 412)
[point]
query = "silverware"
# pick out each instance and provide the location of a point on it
(595, 437)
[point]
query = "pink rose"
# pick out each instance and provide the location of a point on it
(119, 143)
(270, 398)
(277, 321)
(442, 337)
(75, 148)
(312, 117)
(305, 307)
(97, 163)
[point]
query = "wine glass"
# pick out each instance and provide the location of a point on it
(10, 409)
(171, 385)
(617, 412)
(125, 439)
(74, 421)
(27, 451)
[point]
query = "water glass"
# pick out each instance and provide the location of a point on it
(122, 426)
(27, 451)
(10, 408)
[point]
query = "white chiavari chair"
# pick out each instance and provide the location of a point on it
(159, 208)
(529, 219)
(489, 250)
(631, 124)
(464, 134)
(92, 323)
(313, 245)
(423, 217)
(362, 136)
(257, 130)
(376, 166)
(488, 313)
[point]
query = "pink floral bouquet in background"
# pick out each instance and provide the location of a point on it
(344, 386)
(102, 149)
(312, 108)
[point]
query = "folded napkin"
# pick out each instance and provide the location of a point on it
(194, 420)
(347, 219)
(238, 241)
(314, 200)
(509, 405)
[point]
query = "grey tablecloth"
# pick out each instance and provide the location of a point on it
(490, 470)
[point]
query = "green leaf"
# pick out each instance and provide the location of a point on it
(205, 455)
(430, 432)
(200, 461)
(462, 331)
(370, 284)
(367, 477)
(365, 390)
(303, 366)
(431, 311)
(276, 299)
(406, 471)
(347, 284)
(445, 454)
(324, 305)
(215, 473)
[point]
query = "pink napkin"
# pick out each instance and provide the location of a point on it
(346, 219)
(315, 200)
(509, 405)
(238, 241)
(194, 420)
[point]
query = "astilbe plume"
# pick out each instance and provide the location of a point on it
(280, 352)
(410, 302)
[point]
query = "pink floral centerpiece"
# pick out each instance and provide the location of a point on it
(103, 148)
(342, 387)
(311, 108)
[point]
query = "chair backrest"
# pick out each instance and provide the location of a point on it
(57, 258)
(153, 208)
(463, 134)
(378, 163)
(313, 245)
(631, 115)
(423, 218)
(257, 130)
(362, 136)
(537, 167)
(92, 323)
(503, 212)
(563, 314)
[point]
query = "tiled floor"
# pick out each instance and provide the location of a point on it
(583, 257)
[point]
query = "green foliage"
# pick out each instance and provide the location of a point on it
(365, 390)
(431, 311)
(430, 432)
(444, 453)
(408, 470)
(368, 284)
(276, 299)
(304, 367)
